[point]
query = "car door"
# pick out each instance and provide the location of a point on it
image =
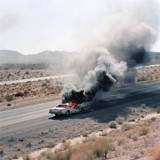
(76, 110)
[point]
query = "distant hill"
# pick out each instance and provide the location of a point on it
(51, 53)
(10, 52)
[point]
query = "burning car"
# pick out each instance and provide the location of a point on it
(67, 109)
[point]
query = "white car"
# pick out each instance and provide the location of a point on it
(66, 109)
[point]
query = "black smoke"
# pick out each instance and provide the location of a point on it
(137, 56)
(103, 83)
(123, 46)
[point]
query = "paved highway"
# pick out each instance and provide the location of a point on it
(36, 117)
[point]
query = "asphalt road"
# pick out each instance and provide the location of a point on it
(34, 117)
(34, 79)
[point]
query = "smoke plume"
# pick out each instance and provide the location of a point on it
(124, 45)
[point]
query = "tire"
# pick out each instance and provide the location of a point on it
(82, 110)
(67, 113)
(56, 115)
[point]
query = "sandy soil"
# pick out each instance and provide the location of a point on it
(30, 92)
(96, 125)
(80, 139)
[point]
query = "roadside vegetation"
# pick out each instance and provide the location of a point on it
(125, 134)
(130, 141)
(20, 94)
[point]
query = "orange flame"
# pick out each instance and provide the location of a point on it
(73, 104)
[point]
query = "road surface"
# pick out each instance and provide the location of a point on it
(36, 117)
(34, 79)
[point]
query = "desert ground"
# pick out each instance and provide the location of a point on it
(131, 130)
(126, 144)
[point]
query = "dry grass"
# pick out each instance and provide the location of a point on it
(2, 99)
(47, 154)
(92, 149)
(125, 127)
(121, 141)
(104, 133)
(156, 152)
(129, 134)
(90, 139)
(15, 155)
(66, 145)
(86, 128)
(143, 130)
(26, 156)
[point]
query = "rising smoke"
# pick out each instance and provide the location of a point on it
(124, 45)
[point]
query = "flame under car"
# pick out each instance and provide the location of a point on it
(67, 109)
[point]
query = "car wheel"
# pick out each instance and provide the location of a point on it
(82, 110)
(56, 114)
(67, 113)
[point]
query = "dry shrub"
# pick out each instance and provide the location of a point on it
(134, 137)
(153, 118)
(120, 120)
(129, 134)
(158, 109)
(102, 146)
(50, 143)
(135, 155)
(57, 155)
(66, 145)
(86, 128)
(117, 153)
(86, 155)
(121, 141)
(148, 122)
(113, 133)
(92, 150)
(66, 155)
(131, 119)
(29, 141)
(40, 157)
(47, 154)
(26, 156)
(15, 155)
(64, 140)
(156, 152)
(2, 148)
(125, 127)
(2, 99)
(104, 133)
(17, 146)
(91, 139)
(143, 130)
(85, 133)
(9, 97)
(143, 105)
(112, 124)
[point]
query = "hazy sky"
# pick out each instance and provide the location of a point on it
(32, 26)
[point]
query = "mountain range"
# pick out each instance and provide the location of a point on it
(44, 53)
